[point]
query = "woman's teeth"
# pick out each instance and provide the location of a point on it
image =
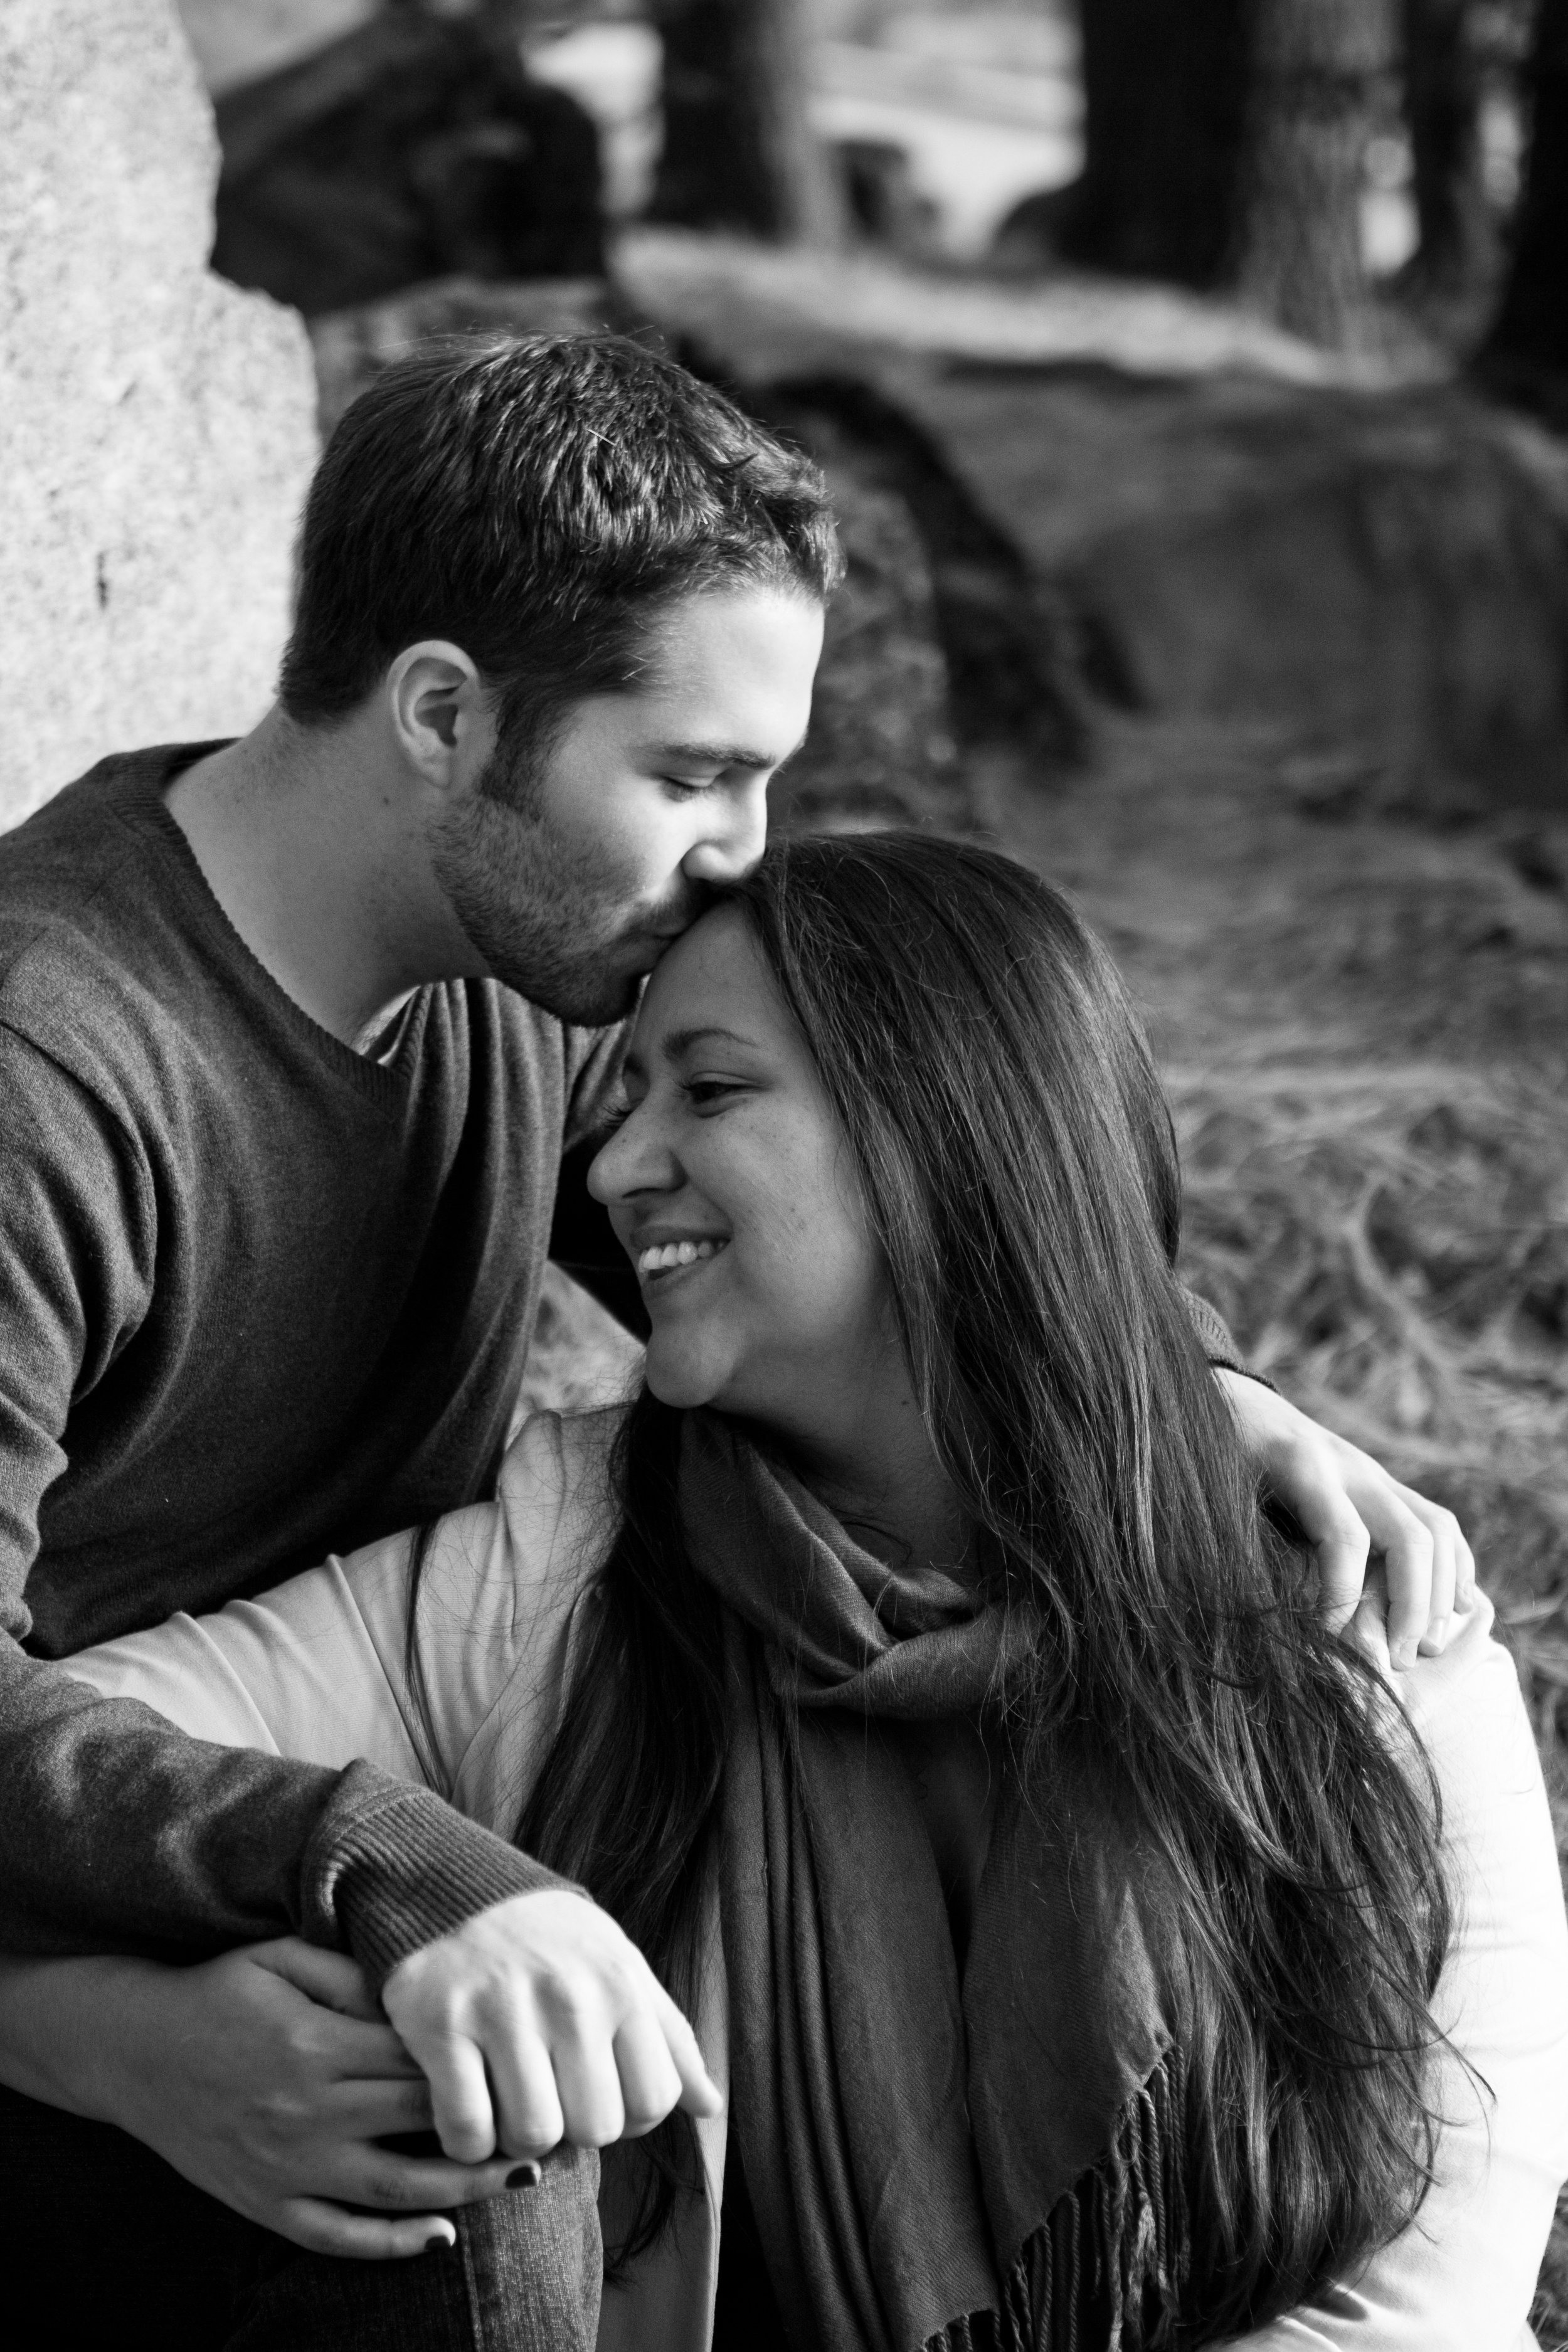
(656, 1261)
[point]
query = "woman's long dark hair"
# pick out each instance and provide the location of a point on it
(1019, 1173)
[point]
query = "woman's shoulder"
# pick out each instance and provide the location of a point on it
(556, 1494)
(502, 1617)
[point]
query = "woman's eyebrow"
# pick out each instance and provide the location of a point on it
(677, 1042)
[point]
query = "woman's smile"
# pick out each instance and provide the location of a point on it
(660, 1263)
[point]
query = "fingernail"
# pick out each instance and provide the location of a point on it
(524, 2176)
(1437, 1631)
(440, 2238)
(1403, 1653)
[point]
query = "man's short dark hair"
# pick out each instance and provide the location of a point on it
(538, 501)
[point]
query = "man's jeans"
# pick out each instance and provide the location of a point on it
(107, 2245)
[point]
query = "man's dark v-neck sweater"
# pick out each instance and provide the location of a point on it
(261, 1298)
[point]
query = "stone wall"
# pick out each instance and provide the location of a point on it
(158, 424)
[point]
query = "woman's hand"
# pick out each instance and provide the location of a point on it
(1348, 1507)
(266, 2078)
(538, 2020)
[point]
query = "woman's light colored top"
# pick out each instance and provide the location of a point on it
(315, 1670)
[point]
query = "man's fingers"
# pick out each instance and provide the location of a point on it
(1335, 1529)
(1367, 1630)
(460, 2106)
(527, 2097)
(588, 2081)
(649, 2084)
(1453, 1568)
(1407, 1548)
(700, 2094)
(325, 2229)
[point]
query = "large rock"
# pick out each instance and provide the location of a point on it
(881, 751)
(414, 147)
(1383, 571)
(159, 425)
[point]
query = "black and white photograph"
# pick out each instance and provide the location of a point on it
(783, 1175)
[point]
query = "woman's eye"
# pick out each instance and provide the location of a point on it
(703, 1093)
(679, 789)
(619, 1108)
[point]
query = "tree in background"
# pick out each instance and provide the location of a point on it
(739, 149)
(1313, 83)
(1525, 357)
(1458, 255)
(1164, 85)
(1224, 148)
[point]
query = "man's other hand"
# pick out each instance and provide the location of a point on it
(538, 2020)
(1348, 1507)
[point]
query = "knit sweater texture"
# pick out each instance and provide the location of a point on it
(261, 1298)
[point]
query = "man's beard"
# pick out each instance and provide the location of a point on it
(547, 920)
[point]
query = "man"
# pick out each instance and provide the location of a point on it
(294, 1034)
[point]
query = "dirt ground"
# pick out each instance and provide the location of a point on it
(1364, 1025)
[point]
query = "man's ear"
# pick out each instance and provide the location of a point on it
(438, 712)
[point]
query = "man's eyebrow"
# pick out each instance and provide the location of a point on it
(716, 755)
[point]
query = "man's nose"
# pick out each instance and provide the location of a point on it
(731, 849)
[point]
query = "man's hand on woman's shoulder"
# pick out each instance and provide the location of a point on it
(1348, 1507)
(539, 2020)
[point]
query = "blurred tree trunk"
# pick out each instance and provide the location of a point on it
(739, 149)
(1315, 68)
(1442, 107)
(1526, 355)
(1223, 147)
(1165, 102)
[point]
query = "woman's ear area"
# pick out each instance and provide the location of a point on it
(439, 713)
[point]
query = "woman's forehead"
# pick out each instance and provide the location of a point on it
(713, 977)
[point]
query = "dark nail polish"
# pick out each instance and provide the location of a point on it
(438, 2241)
(523, 2175)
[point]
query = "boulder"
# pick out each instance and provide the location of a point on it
(411, 148)
(159, 424)
(1383, 570)
(881, 751)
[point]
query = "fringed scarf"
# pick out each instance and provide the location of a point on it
(994, 2163)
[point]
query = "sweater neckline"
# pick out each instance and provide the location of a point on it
(139, 797)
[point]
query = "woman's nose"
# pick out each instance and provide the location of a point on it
(633, 1160)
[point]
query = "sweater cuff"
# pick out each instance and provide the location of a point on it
(1214, 1337)
(402, 1869)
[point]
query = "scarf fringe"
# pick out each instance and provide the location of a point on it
(1106, 2269)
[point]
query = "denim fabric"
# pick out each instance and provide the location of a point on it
(109, 2245)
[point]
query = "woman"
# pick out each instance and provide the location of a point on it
(912, 1672)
